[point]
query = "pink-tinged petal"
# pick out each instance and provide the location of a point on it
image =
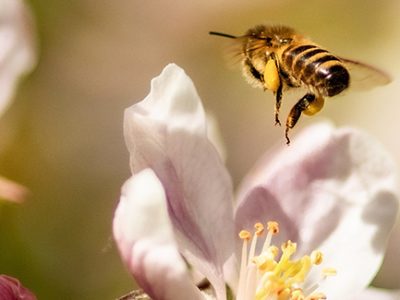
(331, 189)
(12, 191)
(378, 294)
(16, 47)
(12, 289)
(214, 135)
(167, 133)
(143, 233)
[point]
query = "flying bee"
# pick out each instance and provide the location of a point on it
(278, 58)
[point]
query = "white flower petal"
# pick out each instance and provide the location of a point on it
(215, 136)
(145, 239)
(173, 99)
(334, 190)
(16, 47)
(167, 133)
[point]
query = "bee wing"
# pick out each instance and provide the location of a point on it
(232, 52)
(235, 53)
(364, 76)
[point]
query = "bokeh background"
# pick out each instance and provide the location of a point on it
(62, 136)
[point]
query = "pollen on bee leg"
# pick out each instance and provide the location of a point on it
(314, 106)
(271, 76)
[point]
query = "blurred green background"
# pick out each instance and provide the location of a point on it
(62, 136)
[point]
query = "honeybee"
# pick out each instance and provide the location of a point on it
(278, 58)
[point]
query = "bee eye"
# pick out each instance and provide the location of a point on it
(268, 40)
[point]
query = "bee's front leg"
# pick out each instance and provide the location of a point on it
(273, 82)
(278, 102)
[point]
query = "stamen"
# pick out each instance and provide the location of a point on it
(316, 296)
(273, 274)
(284, 294)
(245, 236)
(288, 249)
(251, 282)
(266, 260)
(311, 288)
(259, 229)
(317, 257)
(329, 272)
(297, 295)
(273, 227)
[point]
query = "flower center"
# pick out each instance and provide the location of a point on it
(273, 274)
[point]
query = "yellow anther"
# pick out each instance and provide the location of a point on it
(284, 294)
(297, 294)
(289, 247)
(317, 257)
(245, 235)
(259, 228)
(299, 270)
(316, 296)
(329, 272)
(268, 286)
(259, 260)
(273, 250)
(265, 262)
(273, 227)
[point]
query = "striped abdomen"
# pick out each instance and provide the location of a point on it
(310, 65)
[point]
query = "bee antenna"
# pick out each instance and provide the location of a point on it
(223, 34)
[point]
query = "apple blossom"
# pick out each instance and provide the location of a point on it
(331, 195)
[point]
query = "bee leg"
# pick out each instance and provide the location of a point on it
(278, 104)
(277, 73)
(296, 111)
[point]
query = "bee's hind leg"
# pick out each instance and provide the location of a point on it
(309, 104)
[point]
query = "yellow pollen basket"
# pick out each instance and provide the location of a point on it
(273, 273)
(271, 76)
(315, 106)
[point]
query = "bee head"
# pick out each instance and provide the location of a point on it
(272, 36)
